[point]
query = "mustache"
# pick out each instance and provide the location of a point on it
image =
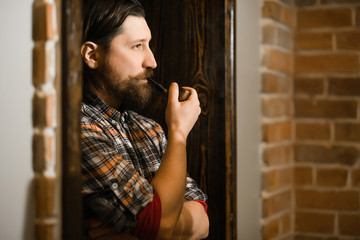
(147, 73)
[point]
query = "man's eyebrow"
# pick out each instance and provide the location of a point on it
(140, 40)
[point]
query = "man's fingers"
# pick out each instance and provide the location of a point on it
(173, 92)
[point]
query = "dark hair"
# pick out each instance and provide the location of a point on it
(102, 21)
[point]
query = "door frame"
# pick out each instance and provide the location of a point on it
(72, 95)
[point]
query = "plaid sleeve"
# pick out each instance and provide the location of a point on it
(110, 186)
(193, 192)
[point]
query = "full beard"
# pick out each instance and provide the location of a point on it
(130, 93)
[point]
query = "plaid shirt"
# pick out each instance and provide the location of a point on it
(121, 153)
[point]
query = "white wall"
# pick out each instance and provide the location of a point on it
(16, 208)
(248, 118)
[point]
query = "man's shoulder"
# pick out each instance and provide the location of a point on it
(143, 120)
(88, 114)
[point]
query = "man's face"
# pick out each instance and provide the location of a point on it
(128, 63)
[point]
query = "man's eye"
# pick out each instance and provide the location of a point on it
(137, 46)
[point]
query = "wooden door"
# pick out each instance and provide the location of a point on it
(193, 43)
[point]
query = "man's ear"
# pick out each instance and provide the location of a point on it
(90, 53)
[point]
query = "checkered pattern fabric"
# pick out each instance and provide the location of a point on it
(121, 152)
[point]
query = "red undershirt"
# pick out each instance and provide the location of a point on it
(148, 219)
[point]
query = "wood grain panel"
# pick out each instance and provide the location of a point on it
(193, 43)
(72, 95)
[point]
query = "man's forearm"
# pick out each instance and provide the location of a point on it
(193, 223)
(170, 184)
(170, 180)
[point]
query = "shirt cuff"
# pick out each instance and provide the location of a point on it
(203, 204)
(148, 220)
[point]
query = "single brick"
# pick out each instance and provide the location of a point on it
(289, 16)
(276, 179)
(270, 229)
(320, 18)
(332, 177)
(278, 12)
(38, 147)
(284, 38)
(43, 63)
(277, 132)
(44, 27)
(347, 132)
(274, 84)
(326, 108)
(302, 176)
(314, 222)
(45, 196)
(43, 110)
(332, 200)
(312, 41)
(329, 155)
(276, 107)
(43, 152)
(272, 10)
(278, 60)
(348, 40)
(313, 131)
(344, 86)
(355, 181)
(269, 34)
(276, 203)
(309, 86)
(326, 63)
(39, 64)
(277, 155)
(349, 224)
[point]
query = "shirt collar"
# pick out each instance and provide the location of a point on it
(105, 110)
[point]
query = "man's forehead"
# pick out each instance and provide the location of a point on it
(136, 27)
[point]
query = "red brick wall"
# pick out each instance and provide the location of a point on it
(276, 96)
(45, 75)
(311, 119)
(327, 120)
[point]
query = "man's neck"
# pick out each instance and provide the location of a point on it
(106, 97)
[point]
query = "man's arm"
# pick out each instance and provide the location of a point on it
(193, 223)
(170, 180)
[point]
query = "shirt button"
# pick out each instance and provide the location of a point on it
(114, 186)
(118, 171)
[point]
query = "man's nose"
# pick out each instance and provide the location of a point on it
(149, 60)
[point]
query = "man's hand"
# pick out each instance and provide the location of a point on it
(101, 231)
(181, 116)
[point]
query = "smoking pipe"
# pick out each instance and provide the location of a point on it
(183, 93)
